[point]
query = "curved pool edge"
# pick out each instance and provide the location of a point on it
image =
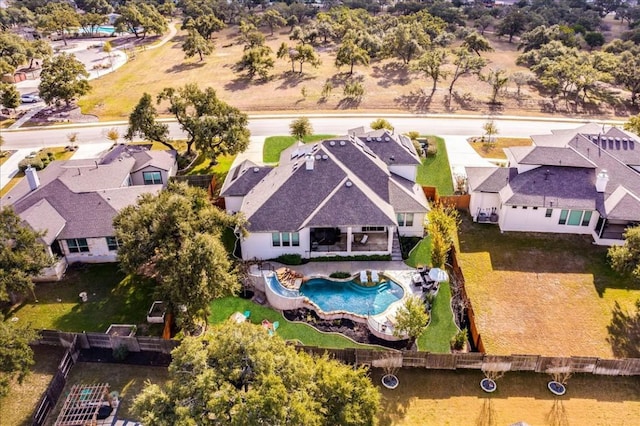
(380, 325)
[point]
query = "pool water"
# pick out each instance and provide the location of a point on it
(349, 296)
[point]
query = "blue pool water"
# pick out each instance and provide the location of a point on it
(351, 297)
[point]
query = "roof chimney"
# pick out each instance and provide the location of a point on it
(308, 162)
(601, 181)
(32, 178)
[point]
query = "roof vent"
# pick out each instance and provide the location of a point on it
(315, 147)
(256, 169)
(342, 143)
(348, 184)
(325, 157)
(379, 139)
(368, 138)
(318, 156)
(332, 143)
(386, 139)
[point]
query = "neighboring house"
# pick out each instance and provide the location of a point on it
(351, 195)
(580, 181)
(74, 201)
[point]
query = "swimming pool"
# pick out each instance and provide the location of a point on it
(349, 296)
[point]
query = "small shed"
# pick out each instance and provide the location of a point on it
(88, 405)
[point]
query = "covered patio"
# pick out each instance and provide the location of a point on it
(336, 240)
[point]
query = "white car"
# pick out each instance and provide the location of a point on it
(30, 99)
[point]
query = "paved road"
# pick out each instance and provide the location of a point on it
(279, 125)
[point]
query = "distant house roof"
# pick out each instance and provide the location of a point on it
(489, 179)
(547, 155)
(392, 148)
(337, 182)
(80, 198)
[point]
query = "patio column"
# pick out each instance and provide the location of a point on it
(349, 238)
(392, 230)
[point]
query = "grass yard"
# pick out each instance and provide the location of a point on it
(113, 298)
(495, 149)
(127, 380)
(547, 294)
(420, 255)
(435, 170)
(442, 327)
(274, 145)
(432, 397)
(17, 408)
(222, 309)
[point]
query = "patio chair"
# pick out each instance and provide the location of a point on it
(374, 276)
(364, 239)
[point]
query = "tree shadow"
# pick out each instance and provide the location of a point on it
(187, 66)
(293, 79)
(178, 40)
(624, 332)
(465, 101)
(416, 100)
(349, 103)
(557, 416)
(392, 73)
(487, 416)
(240, 83)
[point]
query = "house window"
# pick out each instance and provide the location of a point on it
(295, 239)
(405, 219)
(152, 178)
(575, 217)
(78, 245)
(275, 239)
(535, 208)
(524, 207)
(285, 239)
(372, 228)
(113, 243)
(563, 217)
(548, 213)
(586, 218)
(514, 207)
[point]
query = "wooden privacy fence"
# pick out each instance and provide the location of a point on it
(460, 202)
(54, 390)
(484, 362)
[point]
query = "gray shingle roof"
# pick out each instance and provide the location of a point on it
(242, 178)
(406, 196)
(553, 186)
(42, 217)
(622, 205)
(392, 148)
(489, 179)
(548, 156)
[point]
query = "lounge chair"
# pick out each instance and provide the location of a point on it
(374, 276)
(363, 277)
(364, 239)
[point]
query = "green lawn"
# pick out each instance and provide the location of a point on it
(442, 327)
(274, 145)
(420, 255)
(222, 309)
(113, 298)
(435, 170)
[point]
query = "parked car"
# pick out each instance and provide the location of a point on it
(30, 99)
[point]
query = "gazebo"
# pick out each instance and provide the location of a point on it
(87, 405)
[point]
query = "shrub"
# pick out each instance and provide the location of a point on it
(290, 259)
(120, 353)
(432, 149)
(458, 341)
(36, 163)
(340, 275)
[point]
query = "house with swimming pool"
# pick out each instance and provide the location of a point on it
(579, 181)
(346, 196)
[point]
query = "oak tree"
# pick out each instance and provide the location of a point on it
(143, 122)
(63, 78)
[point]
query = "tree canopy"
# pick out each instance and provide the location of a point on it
(16, 356)
(411, 319)
(63, 77)
(301, 127)
(238, 375)
(57, 17)
(212, 125)
(625, 259)
(143, 122)
(22, 255)
(140, 19)
(175, 237)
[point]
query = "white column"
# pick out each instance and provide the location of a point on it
(392, 230)
(349, 239)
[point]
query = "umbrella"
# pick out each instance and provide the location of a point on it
(439, 275)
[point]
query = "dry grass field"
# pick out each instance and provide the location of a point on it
(495, 149)
(389, 85)
(544, 294)
(429, 397)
